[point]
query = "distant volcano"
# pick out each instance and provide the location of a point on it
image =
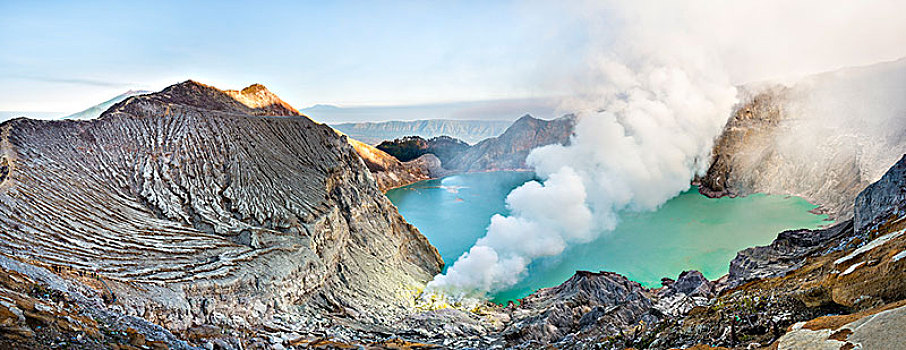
(96, 110)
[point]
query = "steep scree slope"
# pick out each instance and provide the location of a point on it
(194, 203)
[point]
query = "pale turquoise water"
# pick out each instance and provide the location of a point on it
(688, 232)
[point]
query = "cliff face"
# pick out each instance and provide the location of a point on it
(390, 172)
(197, 207)
(883, 202)
(509, 150)
(824, 138)
(410, 147)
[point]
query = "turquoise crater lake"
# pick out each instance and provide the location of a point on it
(688, 232)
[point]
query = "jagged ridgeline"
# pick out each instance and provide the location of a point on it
(200, 206)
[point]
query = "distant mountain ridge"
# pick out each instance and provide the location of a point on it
(509, 150)
(470, 131)
(6, 115)
(505, 152)
(500, 109)
(96, 110)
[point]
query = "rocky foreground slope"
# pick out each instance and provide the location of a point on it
(842, 287)
(214, 214)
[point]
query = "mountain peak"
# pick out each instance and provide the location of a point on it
(255, 88)
(526, 117)
(257, 96)
(254, 99)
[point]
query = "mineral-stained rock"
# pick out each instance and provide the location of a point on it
(195, 206)
(41, 310)
(881, 328)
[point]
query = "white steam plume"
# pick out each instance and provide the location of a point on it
(643, 132)
(658, 89)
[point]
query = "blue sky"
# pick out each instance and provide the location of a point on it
(68, 55)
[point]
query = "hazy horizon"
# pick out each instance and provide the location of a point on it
(500, 109)
(65, 57)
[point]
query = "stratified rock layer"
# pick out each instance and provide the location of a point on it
(203, 207)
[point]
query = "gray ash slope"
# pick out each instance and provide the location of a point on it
(191, 206)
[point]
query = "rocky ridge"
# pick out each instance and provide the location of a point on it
(509, 150)
(196, 208)
(389, 172)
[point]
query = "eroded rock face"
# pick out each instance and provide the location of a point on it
(824, 138)
(745, 140)
(884, 200)
(203, 207)
(752, 156)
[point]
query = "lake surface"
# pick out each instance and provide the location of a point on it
(688, 232)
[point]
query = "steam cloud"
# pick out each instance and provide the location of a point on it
(659, 89)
